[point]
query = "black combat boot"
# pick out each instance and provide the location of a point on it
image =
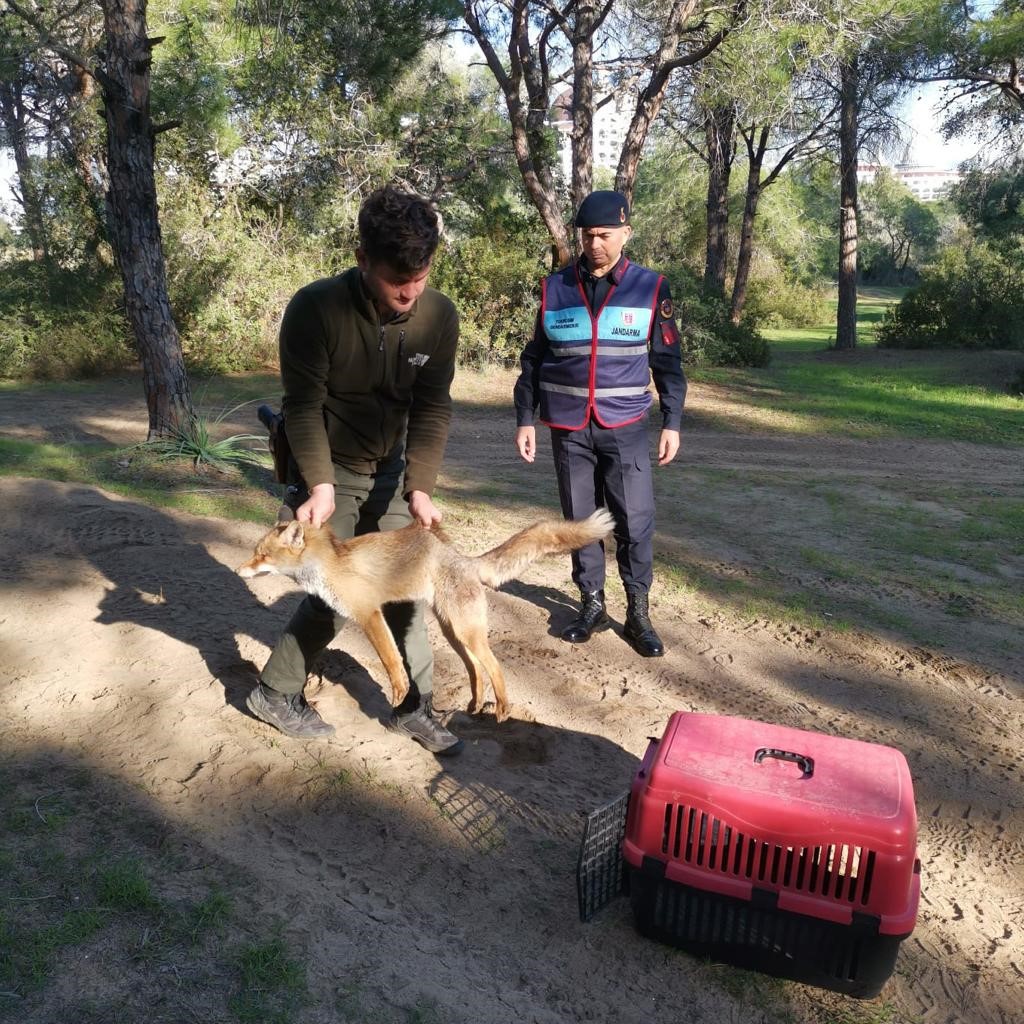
(591, 618)
(420, 724)
(288, 712)
(639, 631)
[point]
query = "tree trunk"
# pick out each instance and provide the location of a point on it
(136, 226)
(529, 140)
(746, 253)
(846, 312)
(666, 61)
(12, 113)
(905, 253)
(583, 104)
(719, 133)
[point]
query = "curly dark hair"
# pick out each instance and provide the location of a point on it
(398, 228)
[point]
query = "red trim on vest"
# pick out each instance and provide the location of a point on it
(621, 423)
(591, 406)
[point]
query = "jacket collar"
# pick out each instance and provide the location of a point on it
(614, 275)
(368, 308)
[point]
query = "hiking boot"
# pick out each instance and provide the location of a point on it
(591, 618)
(288, 712)
(638, 630)
(422, 726)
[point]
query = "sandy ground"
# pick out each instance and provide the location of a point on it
(129, 645)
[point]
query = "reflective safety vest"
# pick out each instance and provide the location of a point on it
(597, 363)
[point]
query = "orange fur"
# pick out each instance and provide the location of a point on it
(357, 577)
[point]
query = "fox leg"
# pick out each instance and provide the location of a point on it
(376, 629)
(473, 667)
(478, 647)
(469, 638)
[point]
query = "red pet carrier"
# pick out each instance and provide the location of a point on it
(775, 849)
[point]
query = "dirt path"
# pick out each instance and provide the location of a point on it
(129, 645)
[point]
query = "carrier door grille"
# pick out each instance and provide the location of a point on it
(839, 871)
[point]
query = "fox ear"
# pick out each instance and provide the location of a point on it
(292, 536)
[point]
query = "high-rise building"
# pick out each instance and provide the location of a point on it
(926, 183)
(611, 122)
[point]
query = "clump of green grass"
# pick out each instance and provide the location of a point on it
(273, 985)
(123, 886)
(210, 915)
(192, 440)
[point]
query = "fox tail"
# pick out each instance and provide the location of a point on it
(548, 537)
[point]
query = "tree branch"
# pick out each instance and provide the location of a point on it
(48, 40)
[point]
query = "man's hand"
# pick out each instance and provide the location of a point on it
(668, 446)
(526, 443)
(422, 509)
(318, 507)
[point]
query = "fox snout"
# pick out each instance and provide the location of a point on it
(286, 543)
(256, 566)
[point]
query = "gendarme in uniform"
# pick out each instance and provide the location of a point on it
(605, 327)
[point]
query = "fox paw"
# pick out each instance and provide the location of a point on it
(501, 711)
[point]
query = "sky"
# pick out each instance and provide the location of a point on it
(6, 174)
(927, 147)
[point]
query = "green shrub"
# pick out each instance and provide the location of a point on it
(709, 337)
(971, 298)
(61, 323)
(781, 302)
(494, 283)
(230, 275)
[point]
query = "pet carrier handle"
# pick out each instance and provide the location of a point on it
(806, 763)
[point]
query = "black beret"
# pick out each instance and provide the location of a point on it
(603, 210)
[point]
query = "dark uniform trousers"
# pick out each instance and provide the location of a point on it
(364, 503)
(609, 466)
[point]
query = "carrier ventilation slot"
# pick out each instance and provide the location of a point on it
(838, 871)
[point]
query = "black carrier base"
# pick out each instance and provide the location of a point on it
(852, 959)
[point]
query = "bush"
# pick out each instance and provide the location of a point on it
(495, 285)
(781, 302)
(709, 337)
(971, 298)
(230, 275)
(60, 324)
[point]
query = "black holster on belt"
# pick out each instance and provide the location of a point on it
(286, 470)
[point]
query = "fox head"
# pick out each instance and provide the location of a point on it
(278, 552)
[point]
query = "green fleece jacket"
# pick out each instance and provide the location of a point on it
(354, 387)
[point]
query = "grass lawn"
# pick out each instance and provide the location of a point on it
(873, 392)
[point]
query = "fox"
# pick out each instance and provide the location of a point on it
(357, 577)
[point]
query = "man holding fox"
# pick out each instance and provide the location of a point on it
(367, 361)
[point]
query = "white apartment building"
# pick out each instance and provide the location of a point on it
(926, 183)
(611, 121)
